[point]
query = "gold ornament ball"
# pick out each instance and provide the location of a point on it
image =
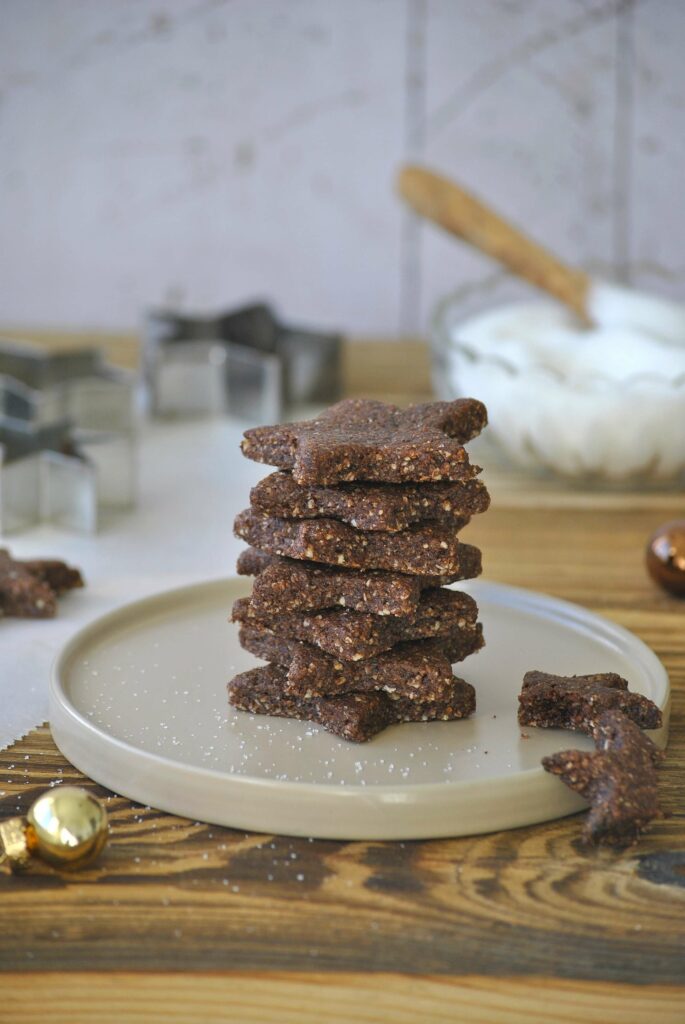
(67, 827)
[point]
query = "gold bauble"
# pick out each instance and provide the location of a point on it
(66, 827)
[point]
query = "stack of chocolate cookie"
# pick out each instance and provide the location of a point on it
(352, 543)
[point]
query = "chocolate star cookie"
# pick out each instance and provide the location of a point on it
(430, 549)
(382, 507)
(355, 716)
(418, 670)
(288, 585)
(352, 636)
(359, 439)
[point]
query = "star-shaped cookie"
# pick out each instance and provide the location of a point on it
(352, 636)
(360, 439)
(576, 702)
(619, 780)
(287, 585)
(385, 508)
(432, 549)
(419, 670)
(353, 716)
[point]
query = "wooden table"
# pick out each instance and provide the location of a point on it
(186, 922)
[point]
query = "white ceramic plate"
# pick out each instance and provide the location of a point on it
(138, 703)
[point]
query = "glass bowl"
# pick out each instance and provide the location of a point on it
(592, 430)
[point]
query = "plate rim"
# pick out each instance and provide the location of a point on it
(512, 597)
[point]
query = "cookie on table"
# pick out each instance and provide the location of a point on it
(59, 576)
(351, 636)
(576, 702)
(419, 670)
(354, 716)
(619, 779)
(423, 550)
(285, 584)
(29, 589)
(360, 439)
(374, 507)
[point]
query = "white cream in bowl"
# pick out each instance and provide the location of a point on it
(606, 402)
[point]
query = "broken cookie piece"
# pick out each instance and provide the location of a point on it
(576, 702)
(29, 589)
(354, 716)
(360, 439)
(619, 780)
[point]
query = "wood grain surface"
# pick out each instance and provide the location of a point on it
(189, 922)
(324, 998)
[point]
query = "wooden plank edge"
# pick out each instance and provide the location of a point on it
(314, 998)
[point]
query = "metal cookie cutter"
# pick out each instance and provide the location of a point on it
(67, 437)
(243, 363)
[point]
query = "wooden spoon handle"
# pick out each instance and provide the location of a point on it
(460, 213)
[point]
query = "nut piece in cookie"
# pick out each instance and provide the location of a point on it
(576, 702)
(619, 780)
(29, 589)
(360, 439)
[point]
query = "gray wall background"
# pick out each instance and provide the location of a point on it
(202, 152)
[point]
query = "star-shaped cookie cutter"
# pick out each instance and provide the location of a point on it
(68, 428)
(244, 363)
